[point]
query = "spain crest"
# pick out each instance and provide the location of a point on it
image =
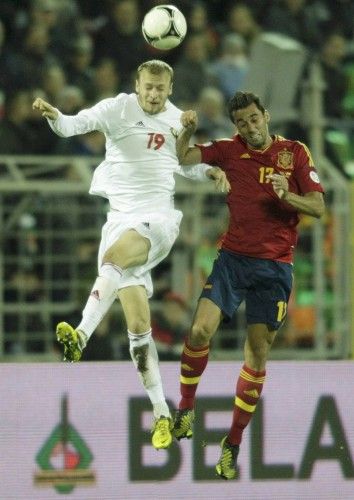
(285, 159)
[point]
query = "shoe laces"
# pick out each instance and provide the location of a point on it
(162, 425)
(228, 455)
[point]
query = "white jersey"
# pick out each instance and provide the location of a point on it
(137, 174)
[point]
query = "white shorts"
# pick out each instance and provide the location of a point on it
(161, 229)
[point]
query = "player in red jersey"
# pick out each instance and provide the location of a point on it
(273, 180)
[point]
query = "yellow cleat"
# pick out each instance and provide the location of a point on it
(226, 467)
(71, 341)
(161, 433)
(183, 424)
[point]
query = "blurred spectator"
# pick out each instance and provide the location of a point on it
(29, 60)
(341, 17)
(53, 82)
(295, 19)
(229, 69)
(90, 144)
(5, 80)
(60, 18)
(71, 100)
(240, 20)
(211, 114)
(16, 136)
(43, 140)
(106, 80)
(198, 23)
(191, 73)
(337, 139)
(170, 326)
(121, 39)
(79, 70)
(332, 54)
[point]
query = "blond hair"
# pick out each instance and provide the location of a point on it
(156, 67)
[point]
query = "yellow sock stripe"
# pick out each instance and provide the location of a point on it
(194, 354)
(244, 406)
(189, 380)
(251, 378)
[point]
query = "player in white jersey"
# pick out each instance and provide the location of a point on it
(137, 177)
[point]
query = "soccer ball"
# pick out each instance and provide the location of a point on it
(164, 27)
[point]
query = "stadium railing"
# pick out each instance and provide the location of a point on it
(50, 229)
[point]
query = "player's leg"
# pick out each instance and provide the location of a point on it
(143, 352)
(248, 390)
(219, 299)
(266, 305)
(130, 249)
(194, 359)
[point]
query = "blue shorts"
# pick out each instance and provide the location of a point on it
(263, 284)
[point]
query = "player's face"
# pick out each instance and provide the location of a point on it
(252, 125)
(153, 91)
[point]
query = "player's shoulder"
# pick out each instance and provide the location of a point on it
(290, 143)
(227, 143)
(172, 112)
(112, 103)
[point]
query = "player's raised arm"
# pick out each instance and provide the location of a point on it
(188, 155)
(311, 203)
(47, 110)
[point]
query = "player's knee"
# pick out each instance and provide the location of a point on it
(139, 325)
(200, 334)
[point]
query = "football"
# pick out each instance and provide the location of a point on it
(164, 27)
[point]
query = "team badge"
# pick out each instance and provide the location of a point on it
(285, 159)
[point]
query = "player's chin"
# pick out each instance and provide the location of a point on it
(254, 143)
(155, 108)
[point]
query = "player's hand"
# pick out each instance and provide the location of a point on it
(189, 119)
(47, 110)
(219, 177)
(280, 184)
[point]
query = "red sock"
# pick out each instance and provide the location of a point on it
(248, 390)
(193, 363)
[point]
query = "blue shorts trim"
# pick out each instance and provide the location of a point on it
(263, 284)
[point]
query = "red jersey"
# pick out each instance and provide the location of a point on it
(261, 224)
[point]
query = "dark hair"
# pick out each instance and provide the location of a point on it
(241, 100)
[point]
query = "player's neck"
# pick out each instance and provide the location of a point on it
(268, 142)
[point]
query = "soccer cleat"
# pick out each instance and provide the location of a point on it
(226, 467)
(161, 433)
(71, 340)
(183, 424)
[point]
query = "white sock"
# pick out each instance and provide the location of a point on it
(102, 296)
(145, 358)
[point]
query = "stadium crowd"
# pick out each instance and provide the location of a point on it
(74, 53)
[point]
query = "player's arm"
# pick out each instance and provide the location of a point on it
(219, 177)
(202, 172)
(85, 121)
(47, 110)
(311, 203)
(188, 155)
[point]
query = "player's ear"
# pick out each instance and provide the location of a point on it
(171, 88)
(267, 116)
(137, 86)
